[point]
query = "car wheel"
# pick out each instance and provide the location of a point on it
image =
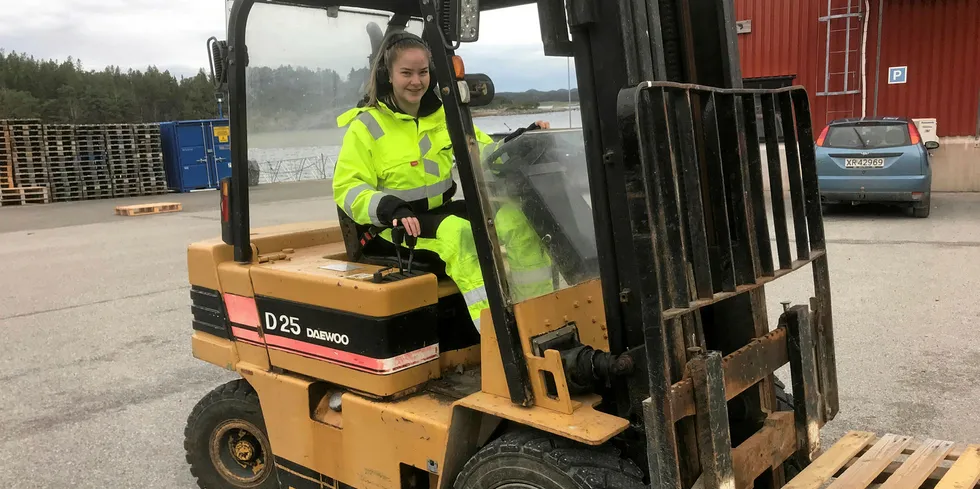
(922, 210)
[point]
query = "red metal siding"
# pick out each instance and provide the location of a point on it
(939, 43)
(772, 49)
(936, 39)
(787, 38)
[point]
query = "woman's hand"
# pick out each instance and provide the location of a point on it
(411, 224)
(543, 124)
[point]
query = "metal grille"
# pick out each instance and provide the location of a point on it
(709, 220)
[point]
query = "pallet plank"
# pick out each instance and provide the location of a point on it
(825, 466)
(770, 446)
(919, 465)
(965, 473)
(876, 459)
(145, 209)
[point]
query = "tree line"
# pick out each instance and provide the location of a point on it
(279, 98)
(63, 92)
(529, 100)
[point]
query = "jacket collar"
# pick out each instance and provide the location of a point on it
(433, 119)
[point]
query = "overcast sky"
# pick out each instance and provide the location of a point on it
(171, 35)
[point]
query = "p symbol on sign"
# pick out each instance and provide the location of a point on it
(897, 74)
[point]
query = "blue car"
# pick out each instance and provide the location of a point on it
(880, 160)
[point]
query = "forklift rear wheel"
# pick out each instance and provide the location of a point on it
(530, 459)
(226, 441)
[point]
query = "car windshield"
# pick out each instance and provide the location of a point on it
(869, 136)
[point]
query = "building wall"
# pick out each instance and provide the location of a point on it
(940, 43)
(936, 39)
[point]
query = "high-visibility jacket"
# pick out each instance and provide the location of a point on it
(389, 158)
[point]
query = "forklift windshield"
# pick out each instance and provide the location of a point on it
(309, 65)
(306, 67)
(542, 175)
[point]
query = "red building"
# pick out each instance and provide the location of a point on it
(906, 58)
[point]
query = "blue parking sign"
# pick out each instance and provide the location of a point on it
(897, 74)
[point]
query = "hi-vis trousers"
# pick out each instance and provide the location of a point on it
(529, 272)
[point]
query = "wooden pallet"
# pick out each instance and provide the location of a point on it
(93, 161)
(145, 209)
(6, 157)
(27, 152)
(860, 459)
(23, 196)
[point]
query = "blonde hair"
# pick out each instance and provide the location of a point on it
(394, 46)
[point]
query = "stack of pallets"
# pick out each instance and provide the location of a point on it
(149, 154)
(120, 144)
(23, 196)
(6, 157)
(96, 179)
(27, 148)
(23, 174)
(61, 156)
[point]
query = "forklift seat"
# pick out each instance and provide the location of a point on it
(381, 252)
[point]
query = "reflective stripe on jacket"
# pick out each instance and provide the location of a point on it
(389, 158)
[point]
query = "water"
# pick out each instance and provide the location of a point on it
(510, 123)
(290, 156)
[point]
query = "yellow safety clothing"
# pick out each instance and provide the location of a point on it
(391, 161)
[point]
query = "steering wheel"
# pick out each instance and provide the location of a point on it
(521, 151)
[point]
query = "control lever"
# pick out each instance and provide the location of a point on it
(411, 241)
(398, 235)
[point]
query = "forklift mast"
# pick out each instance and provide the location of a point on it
(683, 236)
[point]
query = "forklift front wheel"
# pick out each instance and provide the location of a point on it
(226, 442)
(529, 459)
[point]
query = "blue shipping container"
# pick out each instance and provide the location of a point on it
(197, 154)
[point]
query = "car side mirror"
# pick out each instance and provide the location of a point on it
(932, 144)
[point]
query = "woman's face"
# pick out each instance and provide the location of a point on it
(410, 76)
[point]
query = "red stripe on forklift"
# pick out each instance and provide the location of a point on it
(385, 365)
(242, 310)
(246, 334)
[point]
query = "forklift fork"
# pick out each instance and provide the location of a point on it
(701, 227)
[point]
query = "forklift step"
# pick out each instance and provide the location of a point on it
(145, 209)
(860, 459)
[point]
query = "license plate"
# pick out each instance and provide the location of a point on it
(864, 163)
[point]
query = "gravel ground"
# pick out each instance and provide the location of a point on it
(98, 378)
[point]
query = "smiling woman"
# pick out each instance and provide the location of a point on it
(403, 74)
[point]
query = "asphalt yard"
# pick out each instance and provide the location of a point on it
(98, 379)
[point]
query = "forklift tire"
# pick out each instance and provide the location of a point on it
(784, 402)
(534, 460)
(226, 441)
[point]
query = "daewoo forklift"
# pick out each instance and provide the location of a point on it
(650, 365)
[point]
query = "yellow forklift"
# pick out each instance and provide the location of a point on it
(650, 364)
